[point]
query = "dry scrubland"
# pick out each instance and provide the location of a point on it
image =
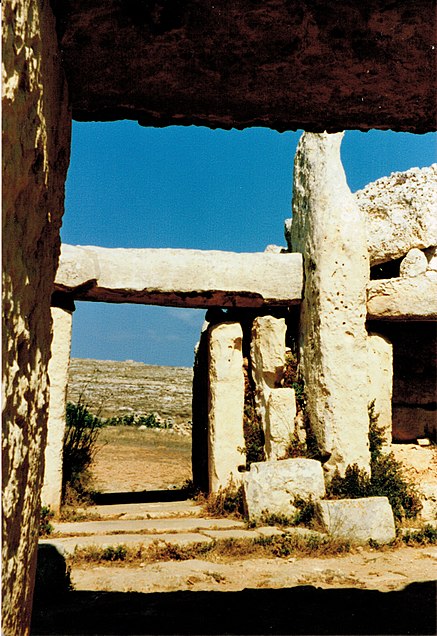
(126, 388)
(129, 459)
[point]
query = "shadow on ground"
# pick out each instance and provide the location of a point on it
(142, 496)
(298, 610)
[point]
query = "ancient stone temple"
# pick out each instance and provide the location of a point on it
(283, 65)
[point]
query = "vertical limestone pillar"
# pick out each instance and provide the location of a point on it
(36, 148)
(328, 229)
(58, 378)
(276, 406)
(225, 405)
(380, 366)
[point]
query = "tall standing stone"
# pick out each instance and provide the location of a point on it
(36, 147)
(58, 376)
(225, 405)
(328, 229)
(381, 382)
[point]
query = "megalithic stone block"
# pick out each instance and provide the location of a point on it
(328, 229)
(225, 405)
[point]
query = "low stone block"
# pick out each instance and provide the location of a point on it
(273, 486)
(358, 520)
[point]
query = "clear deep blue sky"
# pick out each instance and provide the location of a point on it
(191, 187)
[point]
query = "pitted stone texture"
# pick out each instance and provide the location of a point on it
(225, 405)
(328, 228)
(280, 414)
(414, 263)
(400, 212)
(381, 381)
(179, 277)
(273, 486)
(358, 520)
(267, 354)
(36, 139)
(412, 298)
(429, 502)
(268, 350)
(58, 376)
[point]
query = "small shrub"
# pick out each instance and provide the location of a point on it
(149, 421)
(227, 501)
(275, 519)
(306, 512)
(114, 553)
(79, 449)
(45, 527)
(425, 536)
(253, 432)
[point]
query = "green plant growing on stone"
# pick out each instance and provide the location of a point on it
(386, 480)
(79, 449)
(149, 421)
(45, 527)
(306, 512)
(252, 429)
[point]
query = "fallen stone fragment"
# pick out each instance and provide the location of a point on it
(358, 520)
(272, 487)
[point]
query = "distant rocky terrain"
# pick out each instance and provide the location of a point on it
(131, 388)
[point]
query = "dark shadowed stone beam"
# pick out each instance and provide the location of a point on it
(282, 64)
(179, 278)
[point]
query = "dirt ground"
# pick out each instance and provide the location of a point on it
(132, 460)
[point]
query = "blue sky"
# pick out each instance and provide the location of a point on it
(191, 187)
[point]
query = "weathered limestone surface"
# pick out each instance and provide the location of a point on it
(36, 137)
(285, 65)
(400, 212)
(414, 263)
(328, 229)
(276, 407)
(225, 405)
(358, 520)
(273, 486)
(431, 255)
(407, 298)
(279, 424)
(380, 367)
(58, 377)
(184, 278)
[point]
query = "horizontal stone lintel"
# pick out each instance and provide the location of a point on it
(179, 277)
(201, 279)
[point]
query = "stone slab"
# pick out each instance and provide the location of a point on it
(179, 277)
(67, 545)
(231, 534)
(145, 525)
(412, 298)
(272, 486)
(155, 510)
(358, 520)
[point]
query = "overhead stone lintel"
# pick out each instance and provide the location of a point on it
(179, 277)
(412, 298)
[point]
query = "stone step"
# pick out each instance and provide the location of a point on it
(67, 545)
(126, 526)
(153, 510)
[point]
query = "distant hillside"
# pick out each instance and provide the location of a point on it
(119, 388)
